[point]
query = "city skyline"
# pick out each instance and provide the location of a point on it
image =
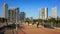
(30, 7)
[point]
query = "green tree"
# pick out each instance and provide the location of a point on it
(39, 20)
(2, 20)
(52, 21)
(45, 21)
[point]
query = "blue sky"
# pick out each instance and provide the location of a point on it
(30, 7)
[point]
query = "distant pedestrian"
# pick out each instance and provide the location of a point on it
(37, 25)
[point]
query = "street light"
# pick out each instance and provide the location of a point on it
(43, 21)
(16, 20)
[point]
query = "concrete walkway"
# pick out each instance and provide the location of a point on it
(31, 29)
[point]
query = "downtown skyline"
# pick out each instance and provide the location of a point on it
(30, 7)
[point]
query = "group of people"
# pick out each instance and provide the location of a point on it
(36, 23)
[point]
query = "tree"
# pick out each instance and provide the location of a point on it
(35, 20)
(52, 21)
(2, 20)
(40, 20)
(45, 21)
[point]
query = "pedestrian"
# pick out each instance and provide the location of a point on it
(37, 25)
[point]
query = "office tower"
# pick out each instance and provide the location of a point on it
(13, 14)
(5, 10)
(43, 13)
(54, 12)
(22, 16)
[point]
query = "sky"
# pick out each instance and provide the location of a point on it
(30, 7)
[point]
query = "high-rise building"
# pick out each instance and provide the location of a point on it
(54, 12)
(5, 10)
(13, 14)
(22, 16)
(43, 13)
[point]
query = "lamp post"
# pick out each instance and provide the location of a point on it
(43, 21)
(16, 20)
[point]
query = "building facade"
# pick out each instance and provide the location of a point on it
(43, 13)
(54, 12)
(22, 16)
(5, 10)
(13, 14)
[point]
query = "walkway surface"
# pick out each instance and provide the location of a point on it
(31, 29)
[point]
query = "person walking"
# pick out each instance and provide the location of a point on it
(37, 25)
